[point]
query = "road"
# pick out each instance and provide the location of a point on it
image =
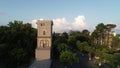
(83, 63)
(41, 64)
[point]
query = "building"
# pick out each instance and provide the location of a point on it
(44, 39)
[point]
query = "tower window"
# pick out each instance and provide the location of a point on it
(43, 32)
(41, 24)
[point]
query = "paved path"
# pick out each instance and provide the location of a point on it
(41, 64)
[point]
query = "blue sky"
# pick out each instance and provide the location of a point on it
(94, 11)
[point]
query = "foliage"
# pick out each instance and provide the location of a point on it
(68, 57)
(102, 44)
(59, 44)
(18, 42)
(101, 33)
(85, 32)
(84, 47)
(96, 44)
(116, 42)
(62, 47)
(64, 35)
(115, 61)
(78, 36)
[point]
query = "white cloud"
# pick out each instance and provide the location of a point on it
(117, 29)
(118, 26)
(61, 24)
(34, 23)
(79, 23)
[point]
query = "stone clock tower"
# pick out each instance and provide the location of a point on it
(44, 40)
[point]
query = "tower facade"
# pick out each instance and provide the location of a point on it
(44, 39)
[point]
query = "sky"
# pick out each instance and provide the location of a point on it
(66, 14)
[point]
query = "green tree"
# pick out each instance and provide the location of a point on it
(18, 43)
(85, 32)
(68, 57)
(4, 32)
(19, 55)
(78, 37)
(59, 43)
(64, 35)
(62, 47)
(98, 33)
(109, 28)
(116, 42)
(84, 47)
(103, 33)
(58, 49)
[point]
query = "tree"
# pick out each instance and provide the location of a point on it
(103, 33)
(85, 32)
(84, 47)
(109, 27)
(115, 62)
(79, 46)
(72, 41)
(112, 59)
(60, 43)
(98, 33)
(78, 37)
(116, 42)
(73, 32)
(19, 55)
(19, 42)
(68, 57)
(64, 35)
(62, 47)
(4, 31)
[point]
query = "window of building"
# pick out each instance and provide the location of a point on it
(41, 24)
(44, 33)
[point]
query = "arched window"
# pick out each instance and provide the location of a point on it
(44, 33)
(41, 43)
